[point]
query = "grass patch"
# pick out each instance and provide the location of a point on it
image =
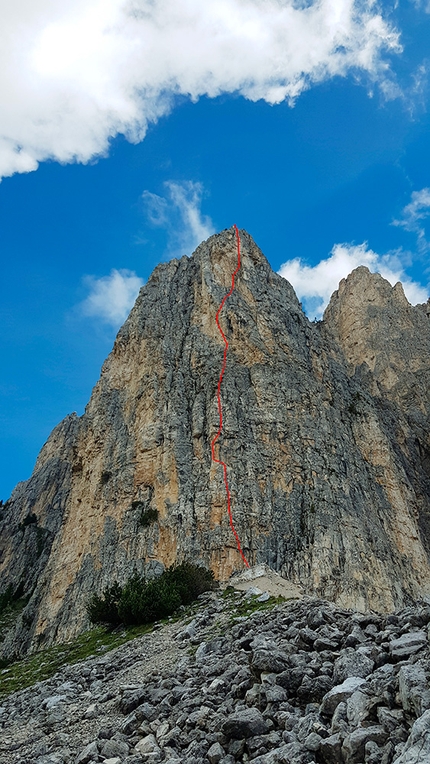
(42, 665)
(242, 607)
(249, 606)
(46, 663)
(99, 640)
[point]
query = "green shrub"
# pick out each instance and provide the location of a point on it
(11, 595)
(105, 609)
(141, 601)
(146, 601)
(30, 519)
(148, 516)
(6, 598)
(352, 408)
(190, 580)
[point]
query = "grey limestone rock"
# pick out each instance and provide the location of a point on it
(293, 752)
(215, 753)
(359, 706)
(245, 723)
(372, 753)
(413, 688)
(331, 749)
(269, 660)
(133, 698)
(417, 748)
(339, 694)
(196, 714)
(114, 748)
(147, 745)
(408, 644)
(390, 718)
(353, 748)
(351, 663)
(90, 752)
(313, 741)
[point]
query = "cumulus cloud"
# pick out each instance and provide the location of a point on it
(111, 298)
(179, 211)
(73, 75)
(413, 216)
(315, 284)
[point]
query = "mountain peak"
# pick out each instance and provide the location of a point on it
(328, 468)
(376, 325)
(363, 287)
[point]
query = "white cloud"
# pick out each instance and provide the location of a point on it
(315, 284)
(180, 213)
(413, 215)
(424, 4)
(111, 297)
(73, 75)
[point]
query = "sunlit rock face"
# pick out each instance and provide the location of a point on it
(326, 438)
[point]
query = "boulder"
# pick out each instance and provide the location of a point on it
(417, 748)
(359, 707)
(353, 748)
(339, 693)
(413, 688)
(313, 741)
(287, 754)
(215, 753)
(273, 660)
(114, 748)
(390, 718)
(148, 744)
(330, 749)
(87, 754)
(132, 698)
(408, 644)
(373, 753)
(245, 723)
(351, 663)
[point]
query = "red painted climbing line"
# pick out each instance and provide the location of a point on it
(224, 364)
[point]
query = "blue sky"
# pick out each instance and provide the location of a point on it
(130, 131)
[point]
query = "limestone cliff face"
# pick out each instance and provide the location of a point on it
(325, 436)
(386, 343)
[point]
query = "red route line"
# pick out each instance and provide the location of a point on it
(224, 364)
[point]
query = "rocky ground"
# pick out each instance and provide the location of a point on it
(302, 682)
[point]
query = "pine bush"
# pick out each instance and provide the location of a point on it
(141, 601)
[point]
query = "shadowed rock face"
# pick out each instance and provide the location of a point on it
(325, 436)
